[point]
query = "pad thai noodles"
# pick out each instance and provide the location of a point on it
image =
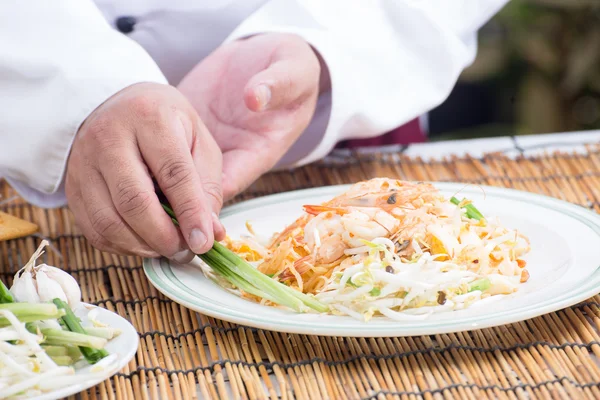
(390, 248)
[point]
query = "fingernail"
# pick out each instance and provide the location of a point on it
(197, 240)
(263, 94)
(184, 257)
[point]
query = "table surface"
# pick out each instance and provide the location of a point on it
(184, 355)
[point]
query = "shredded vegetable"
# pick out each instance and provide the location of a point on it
(392, 249)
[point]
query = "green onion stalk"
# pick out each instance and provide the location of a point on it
(244, 276)
(62, 355)
(58, 337)
(482, 284)
(90, 346)
(472, 211)
(5, 294)
(55, 340)
(55, 351)
(26, 312)
(102, 332)
(63, 361)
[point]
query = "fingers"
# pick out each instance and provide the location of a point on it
(283, 84)
(106, 220)
(186, 256)
(132, 193)
(166, 150)
(99, 222)
(134, 136)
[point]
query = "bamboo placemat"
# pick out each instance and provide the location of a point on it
(184, 355)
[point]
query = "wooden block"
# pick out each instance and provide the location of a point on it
(12, 227)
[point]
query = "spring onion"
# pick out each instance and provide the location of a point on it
(91, 353)
(62, 361)
(27, 312)
(54, 351)
(59, 337)
(247, 278)
(5, 295)
(102, 332)
(472, 211)
(242, 284)
(480, 284)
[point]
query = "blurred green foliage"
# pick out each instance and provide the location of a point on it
(542, 58)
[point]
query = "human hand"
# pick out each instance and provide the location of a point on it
(145, 131)
(256, 96)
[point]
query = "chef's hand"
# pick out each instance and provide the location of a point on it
(146, 130)
(256, 96)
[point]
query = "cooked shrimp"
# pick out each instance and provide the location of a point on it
(291, 230)
(383, 193)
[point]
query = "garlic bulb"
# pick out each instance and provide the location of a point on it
(44, 283)
(24, 288)
(48, 289)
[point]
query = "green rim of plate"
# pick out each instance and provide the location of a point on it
(220, 310)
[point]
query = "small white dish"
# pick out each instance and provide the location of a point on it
(124, 346)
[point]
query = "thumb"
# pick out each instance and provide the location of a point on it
(282, 84)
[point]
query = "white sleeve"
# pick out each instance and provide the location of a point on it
(59, 60)
(390, 61)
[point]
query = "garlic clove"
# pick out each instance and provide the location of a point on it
(24, 288)
(68, 284)
(48, 289)
(44, 283)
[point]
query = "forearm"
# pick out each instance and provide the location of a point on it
(59, 61)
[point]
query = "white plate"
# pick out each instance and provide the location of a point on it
(125, 346)
(563, 266)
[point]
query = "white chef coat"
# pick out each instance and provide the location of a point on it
(389, 61)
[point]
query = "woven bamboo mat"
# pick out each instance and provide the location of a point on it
(184, 355)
